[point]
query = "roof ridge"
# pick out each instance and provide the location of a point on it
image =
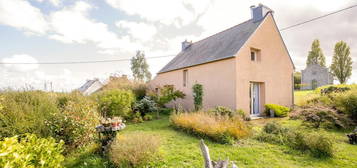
(222, 31)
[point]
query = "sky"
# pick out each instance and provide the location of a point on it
(35, 31)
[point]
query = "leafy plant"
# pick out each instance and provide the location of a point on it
(116, 103)
(135, 149)
(146, 105)
(197, 96)
(279, 111)
(30, 151)
(166, 94)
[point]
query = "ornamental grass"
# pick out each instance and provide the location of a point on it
(222, 129)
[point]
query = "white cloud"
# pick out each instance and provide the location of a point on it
(138, 30)
(73, 25)
(53, 2)
(21, 58)
(174, 11)
(20, 14)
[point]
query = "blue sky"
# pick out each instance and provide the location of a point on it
(81, 30)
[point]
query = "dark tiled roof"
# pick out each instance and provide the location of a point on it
(219, 46)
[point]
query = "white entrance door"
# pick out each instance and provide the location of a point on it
(254, 99)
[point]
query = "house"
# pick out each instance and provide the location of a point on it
(243, 67)
(91, 86)
(314, 76)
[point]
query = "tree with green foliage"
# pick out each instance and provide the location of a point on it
(341, 66)
(197, 95)
(297, 80)
(139, 67)
(315, 55)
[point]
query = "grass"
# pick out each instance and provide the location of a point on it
(87, 157)
(301, 96)
(181, 150)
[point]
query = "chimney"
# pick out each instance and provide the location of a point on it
(259, 12)
(185, 45)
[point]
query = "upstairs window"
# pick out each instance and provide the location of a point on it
(185, 78)
(254, 54)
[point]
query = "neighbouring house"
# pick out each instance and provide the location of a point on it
(314, 76)
(91, 86)
(243, 67)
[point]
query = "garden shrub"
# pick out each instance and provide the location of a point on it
(279, 111)
(139, 91)
(166, 111)
(134, 150)
(166, 94)
(317, 116)
(347, 103)
(147, 117)
(75, 122)
(318, 144)
(321, 89)
(221, 129)
(25, 112)
(197, 96)
(116, 103)
(334, 89)
(30, 151)
(137, 118)
(223, 111)
(146, 105)
(68, 117)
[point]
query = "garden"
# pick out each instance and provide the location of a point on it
(47, 129)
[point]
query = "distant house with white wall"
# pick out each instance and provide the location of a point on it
(90, 87)
(314, 76)
(243, 67)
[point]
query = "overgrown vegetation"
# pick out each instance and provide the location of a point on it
(116, 103)
(317, 143)
(67, 117)
(222, 129)
(135, 149)
(317, 116)
(30, 151)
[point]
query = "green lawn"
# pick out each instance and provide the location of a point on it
(301, 96)
(181, 150)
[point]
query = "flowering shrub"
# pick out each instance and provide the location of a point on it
(221, 129)
(30, 151)
(146, 105)
(116, 103)
(75, 122)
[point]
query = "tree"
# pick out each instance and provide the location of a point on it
(297, 80)
(139, 67)
(315, 55)
(341, 66)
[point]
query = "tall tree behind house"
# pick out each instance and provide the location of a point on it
(341, 66)
(316, 55)
(139, 67)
